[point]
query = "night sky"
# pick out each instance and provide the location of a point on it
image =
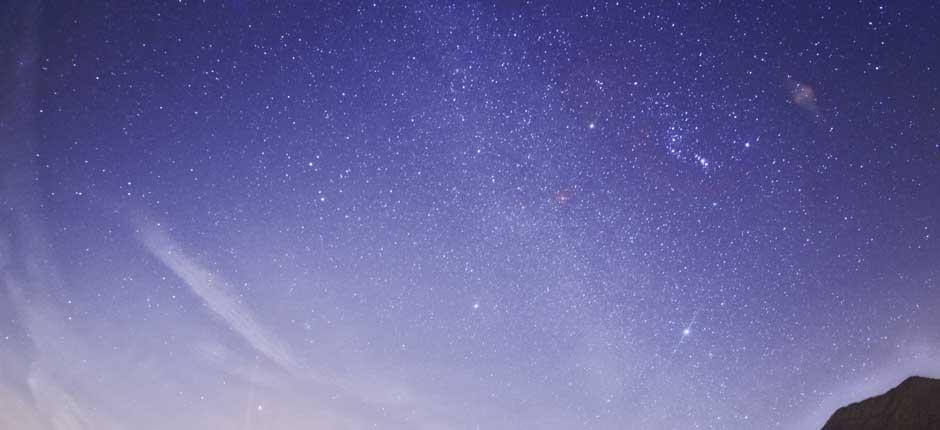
(465, 216)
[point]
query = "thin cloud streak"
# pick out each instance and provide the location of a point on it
(211, 289)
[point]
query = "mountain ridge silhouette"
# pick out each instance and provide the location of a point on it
(912, 405)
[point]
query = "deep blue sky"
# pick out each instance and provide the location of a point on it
(450, 216)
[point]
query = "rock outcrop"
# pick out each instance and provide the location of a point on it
(912, 405)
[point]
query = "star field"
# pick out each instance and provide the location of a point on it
(429, 215)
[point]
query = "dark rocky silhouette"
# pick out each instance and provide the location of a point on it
(912, 405)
